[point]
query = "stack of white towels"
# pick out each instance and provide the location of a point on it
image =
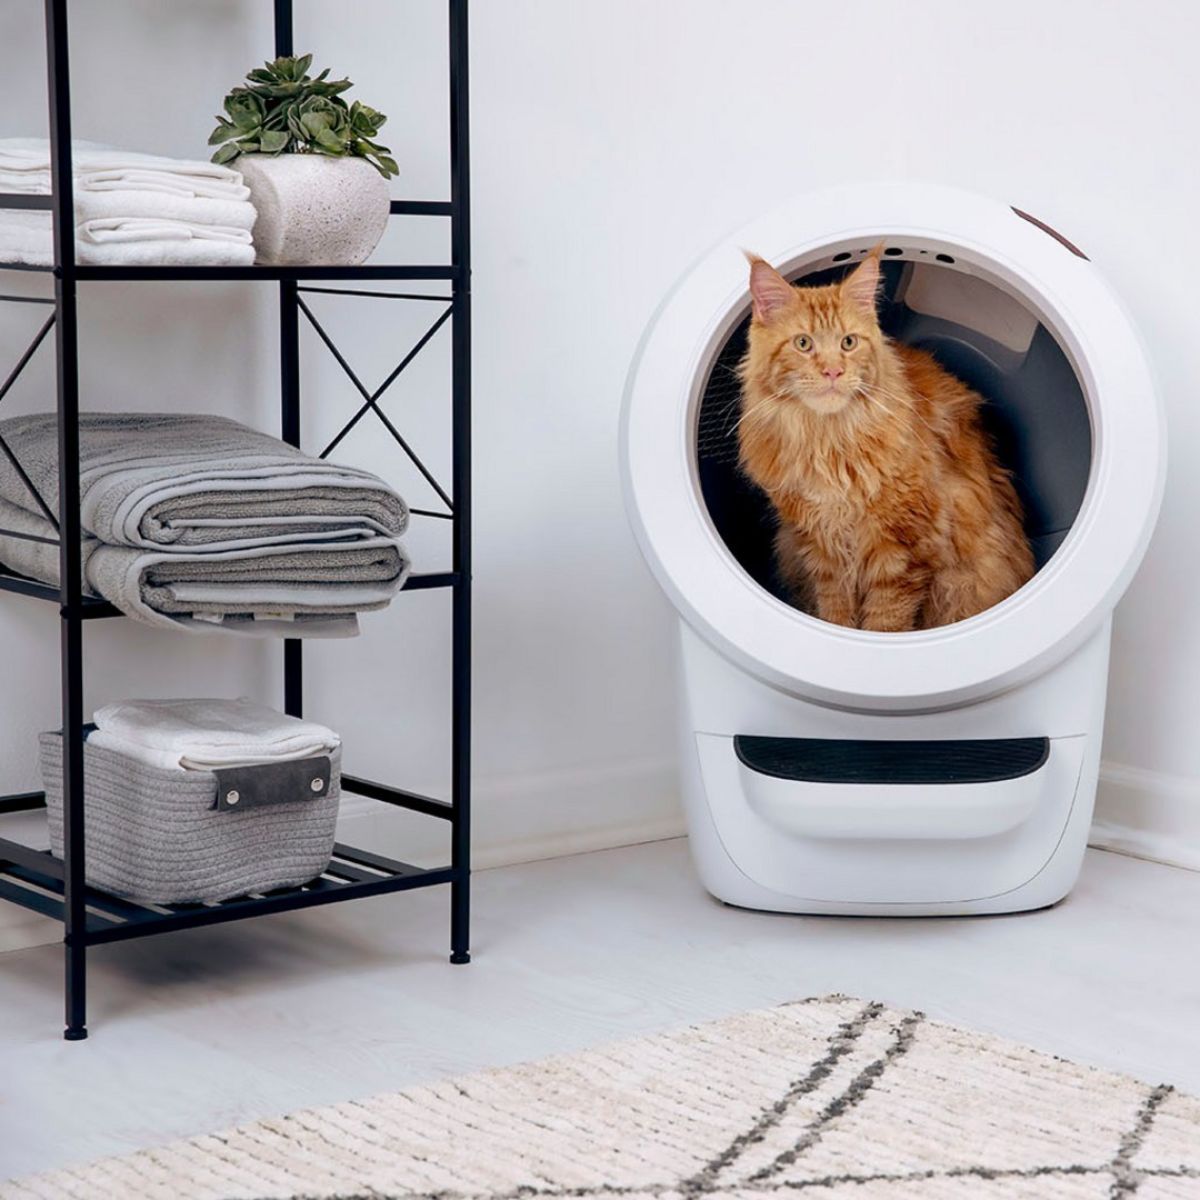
(130, 209)
(206, 735)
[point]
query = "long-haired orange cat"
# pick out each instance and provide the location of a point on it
(893, 511)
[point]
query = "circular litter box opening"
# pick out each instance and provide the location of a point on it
(1035, 408)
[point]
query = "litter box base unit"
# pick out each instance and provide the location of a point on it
(940, 771)
(796, 807)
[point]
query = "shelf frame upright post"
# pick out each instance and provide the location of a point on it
(460, 239)
(289, 377)
(70, 589)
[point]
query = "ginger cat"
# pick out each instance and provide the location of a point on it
(893, 511)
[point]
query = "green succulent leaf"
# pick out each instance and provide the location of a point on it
(366, 121)
(273, 142)
(227, 153)
(315, 124)
(245, 109)
(281, 109)
(329, 141)
(223, 132)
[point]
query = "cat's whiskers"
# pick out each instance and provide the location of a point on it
(876, 400)
(899, 397)
(874, 391)
(758, 406)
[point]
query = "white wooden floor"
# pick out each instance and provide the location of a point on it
(199, 1030)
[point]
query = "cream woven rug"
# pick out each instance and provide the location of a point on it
(824, 1098)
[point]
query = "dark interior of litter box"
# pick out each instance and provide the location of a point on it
(1035, 409)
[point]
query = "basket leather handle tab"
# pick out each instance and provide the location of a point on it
(297, 780)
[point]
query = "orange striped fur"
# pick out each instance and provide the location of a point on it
(894, 513)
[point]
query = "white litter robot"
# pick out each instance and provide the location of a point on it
(952, 770)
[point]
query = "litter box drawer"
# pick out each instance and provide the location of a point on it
(883, 823)
(821, 788)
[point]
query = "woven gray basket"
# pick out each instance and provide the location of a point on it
(177, 837)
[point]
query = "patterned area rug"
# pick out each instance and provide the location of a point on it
(829, 1098)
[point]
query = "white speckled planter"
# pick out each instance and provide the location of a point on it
(315, 210)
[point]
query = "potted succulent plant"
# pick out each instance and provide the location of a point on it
(316, 174)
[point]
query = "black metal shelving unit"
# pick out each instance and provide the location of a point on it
(56, 888)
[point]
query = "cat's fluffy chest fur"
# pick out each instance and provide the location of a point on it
(846, 485)
(893, 513)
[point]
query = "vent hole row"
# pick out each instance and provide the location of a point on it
(892, 251)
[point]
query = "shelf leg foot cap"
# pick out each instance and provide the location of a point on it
(75, 1035)
(460, 956)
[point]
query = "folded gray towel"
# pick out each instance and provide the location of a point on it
(272, 584)
(192, 521)
(155, 479)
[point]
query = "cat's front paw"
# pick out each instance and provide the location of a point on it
(887, 624)
(838, 615)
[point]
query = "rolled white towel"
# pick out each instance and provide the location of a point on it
(203, 735)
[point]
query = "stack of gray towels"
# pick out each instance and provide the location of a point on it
(199, 523)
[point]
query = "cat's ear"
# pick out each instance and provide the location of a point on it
(861, 287)
(770, 292)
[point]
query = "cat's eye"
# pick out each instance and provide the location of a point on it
(849, 341)
(803, 343)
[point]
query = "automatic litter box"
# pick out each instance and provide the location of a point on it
(943, 771)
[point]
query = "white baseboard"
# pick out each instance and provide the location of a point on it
(547, 814)
(1148, 814)
(517, 818)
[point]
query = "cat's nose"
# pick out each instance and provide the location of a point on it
(832, 373)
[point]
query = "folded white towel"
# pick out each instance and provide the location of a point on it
(192, 210)
(130, 209)
(202, 735)
(117, 230)
(25, 237)
(25, 167)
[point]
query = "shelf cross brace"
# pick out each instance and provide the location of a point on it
(5, 388)
(371, 399)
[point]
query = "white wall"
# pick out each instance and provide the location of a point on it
(615, 140)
